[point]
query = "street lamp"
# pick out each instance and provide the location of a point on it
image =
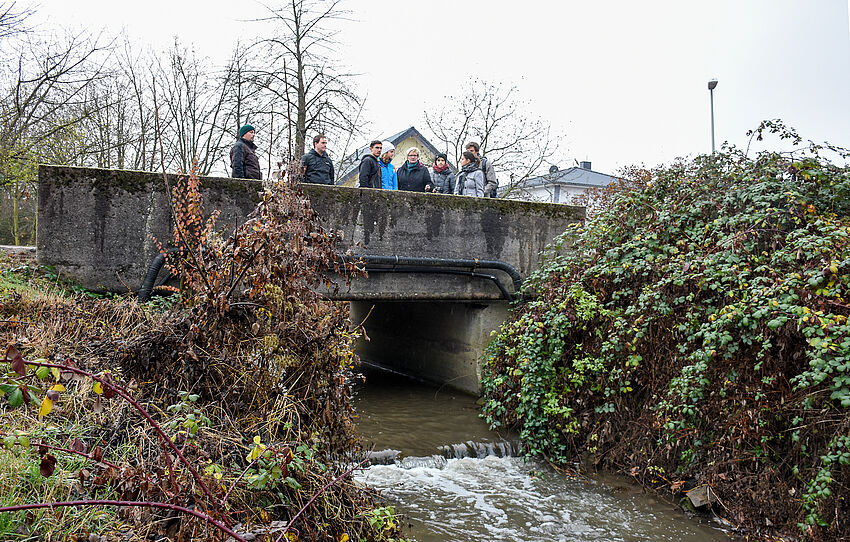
(711, 85)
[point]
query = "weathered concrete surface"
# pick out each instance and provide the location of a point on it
(98, 227)
(438, 342)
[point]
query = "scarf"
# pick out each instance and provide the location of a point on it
(411, 167)
(438, 169)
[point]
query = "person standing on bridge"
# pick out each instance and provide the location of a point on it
(490, 181)
(370, 170)
(317, 165)
(470, 178)
(444, 179)
(243, 158)
(413, 176)
(389, 180)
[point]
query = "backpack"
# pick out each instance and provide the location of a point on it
(484, 164)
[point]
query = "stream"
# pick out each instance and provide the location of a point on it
(455, 480)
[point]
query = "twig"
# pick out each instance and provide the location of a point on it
(316, 496)
(126, 396)
(217, 524)
(198, 262)
(244, 472)
(245, 268)
(82, 454)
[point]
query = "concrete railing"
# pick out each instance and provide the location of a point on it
(98, 227)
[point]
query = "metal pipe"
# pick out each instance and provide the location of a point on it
(441, 263)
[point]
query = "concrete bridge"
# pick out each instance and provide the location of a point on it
(440, 267)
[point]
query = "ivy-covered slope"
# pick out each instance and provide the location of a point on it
(695, 331)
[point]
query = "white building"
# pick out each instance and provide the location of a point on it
(558, 186)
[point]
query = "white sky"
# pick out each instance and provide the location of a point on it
(624, 81)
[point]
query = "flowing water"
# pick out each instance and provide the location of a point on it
(455, 480)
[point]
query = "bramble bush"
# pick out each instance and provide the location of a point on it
(694, 331)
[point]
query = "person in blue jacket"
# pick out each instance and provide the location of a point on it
(389, 179)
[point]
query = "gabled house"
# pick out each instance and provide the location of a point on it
(403, 140)
(559, 185)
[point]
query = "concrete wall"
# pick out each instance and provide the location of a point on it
(432, 341)
(98, 227)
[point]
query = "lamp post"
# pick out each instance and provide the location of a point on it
(711, 85)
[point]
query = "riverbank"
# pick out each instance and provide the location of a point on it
(693, 335)
(221, 412)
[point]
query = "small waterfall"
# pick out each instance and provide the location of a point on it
(468, 449)
(479, 450)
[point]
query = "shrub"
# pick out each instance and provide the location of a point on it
(696, 327)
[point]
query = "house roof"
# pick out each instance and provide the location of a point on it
(352, 161)
(574, 176)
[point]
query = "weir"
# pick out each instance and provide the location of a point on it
(440, 267)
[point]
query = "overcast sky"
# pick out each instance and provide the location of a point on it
(624, 81)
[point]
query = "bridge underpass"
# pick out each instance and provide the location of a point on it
(441, 267)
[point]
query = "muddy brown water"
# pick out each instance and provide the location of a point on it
(454, 479)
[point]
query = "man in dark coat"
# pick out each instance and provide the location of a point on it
(370, 170)
(243, 156)
(412, 175)
(318, 168)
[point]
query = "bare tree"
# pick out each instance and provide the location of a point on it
(12, 20)
(195, 102)
(518, 144)
(43, 98)
(301, 75)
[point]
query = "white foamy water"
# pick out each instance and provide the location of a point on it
(455, 480)
(507, 498)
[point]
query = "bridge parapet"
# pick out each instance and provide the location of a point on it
(97, 226)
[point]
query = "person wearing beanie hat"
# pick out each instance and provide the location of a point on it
(389, 179)
(441, 174)
(243, 157)
(413, 176)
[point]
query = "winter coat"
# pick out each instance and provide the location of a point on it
(389, 180)
(370, 172)
(490, 181)
(318, 168)
(444, 182)
(244, 161)
(414, 180)
(470, 181)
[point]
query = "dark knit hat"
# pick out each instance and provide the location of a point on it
(245, 129)
(442, 155)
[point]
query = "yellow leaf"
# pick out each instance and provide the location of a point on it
(98, 388)
(46, 407)
(343, 537)
(56, 374)
(57, 387)
(257, 439)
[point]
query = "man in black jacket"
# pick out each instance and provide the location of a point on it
(243, 158)
(370, 171)
(318, 168)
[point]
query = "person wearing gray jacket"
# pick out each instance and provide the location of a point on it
(442, 176)
(470, 178)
